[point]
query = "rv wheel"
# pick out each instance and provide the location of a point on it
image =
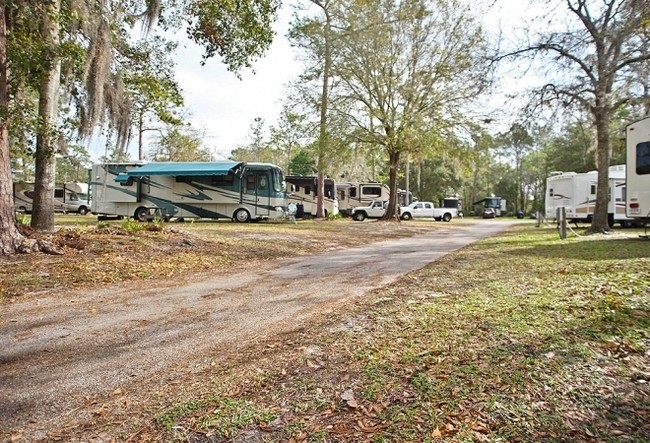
(242, 216)
(140, 214)
(83, 210)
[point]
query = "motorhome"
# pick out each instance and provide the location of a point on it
(351, 195)
(638, 171)
(239, 191)
(66, 199)
(576, 192)
(303, 191)
(497, 204)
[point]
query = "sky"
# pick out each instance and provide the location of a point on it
(224, 106)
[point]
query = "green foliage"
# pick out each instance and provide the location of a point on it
(302, 164)
(73, 165)
(23, 219)
(333, 217)
(239, 31)
(133, 226)
(180, 145)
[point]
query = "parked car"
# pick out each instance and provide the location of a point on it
(489, 213)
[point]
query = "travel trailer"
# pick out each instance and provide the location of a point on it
(303, 191)
(351, 195)
(239, 191)
(66, 199)
(638, 171)
(576, 192)
(454, 203)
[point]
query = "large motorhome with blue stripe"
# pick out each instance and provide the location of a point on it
(216, 190)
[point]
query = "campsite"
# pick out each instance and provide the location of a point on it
(520, 336)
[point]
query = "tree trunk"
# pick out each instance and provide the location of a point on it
(141, 135)
(600, 220)
(391, 211)
(43, 206)
(10, 238)
(322, 136)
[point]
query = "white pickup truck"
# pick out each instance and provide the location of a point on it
(376, 209)
(427, 210)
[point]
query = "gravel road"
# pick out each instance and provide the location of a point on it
(57, 352)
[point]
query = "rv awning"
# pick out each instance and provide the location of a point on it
(188, 169)
(122, 177)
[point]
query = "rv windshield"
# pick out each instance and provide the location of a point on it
(278, 180)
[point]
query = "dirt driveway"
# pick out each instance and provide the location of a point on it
(58, 354)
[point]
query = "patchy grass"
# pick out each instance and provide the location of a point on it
(520, 337)
(117, 251)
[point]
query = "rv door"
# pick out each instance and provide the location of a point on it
(258, 188)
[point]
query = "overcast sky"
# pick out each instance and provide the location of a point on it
(224, 106)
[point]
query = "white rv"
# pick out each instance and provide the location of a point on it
(351, 195)
(303, 191)
(576, 192)
(233, 190)
(66, 199)
(638, 171)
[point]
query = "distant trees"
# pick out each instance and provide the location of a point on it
(397, 70)
(598, 64)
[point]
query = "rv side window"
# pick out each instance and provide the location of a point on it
(643, 158)
(183, 179)
(307, 190)
(223, 180)
(353, 192)
(58, 193)
(592, 190)
(371, 191)
(250, 182)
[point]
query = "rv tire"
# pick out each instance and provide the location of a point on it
(242, 216)
(83, 210)
(140, 214)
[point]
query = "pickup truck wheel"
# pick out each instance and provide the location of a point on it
(446, 217)
(359, 216)
(406, 216)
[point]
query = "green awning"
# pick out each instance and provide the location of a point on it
(187, 169)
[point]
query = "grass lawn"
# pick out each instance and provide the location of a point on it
(521, 337)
